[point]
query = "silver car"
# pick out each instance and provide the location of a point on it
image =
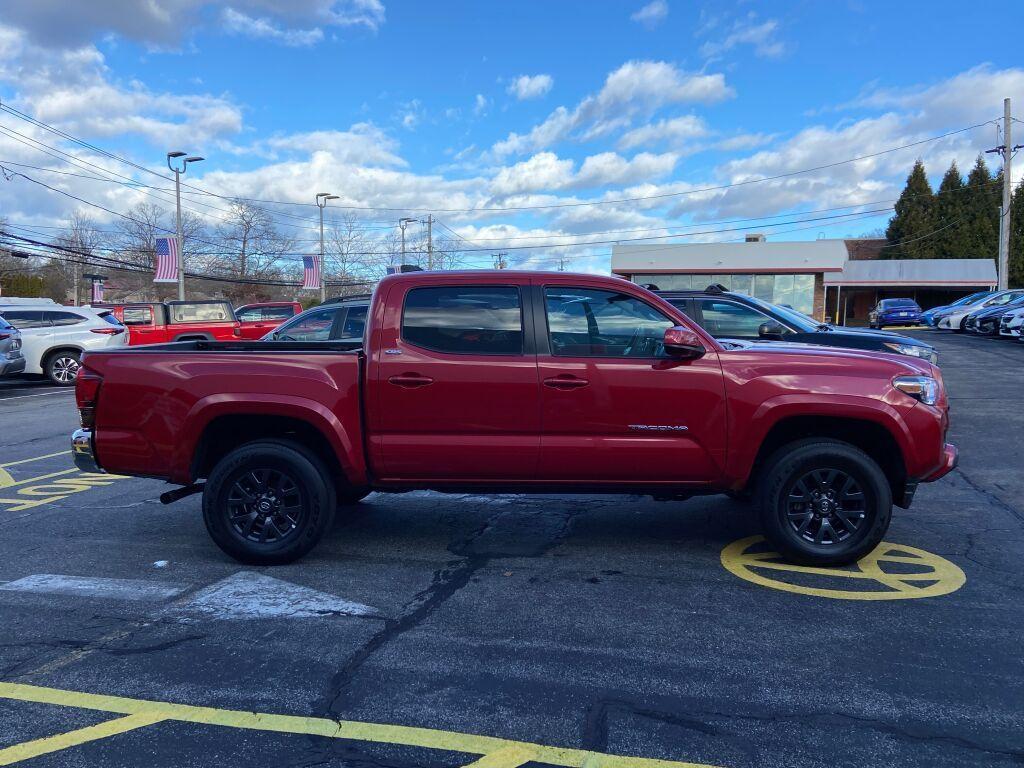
(54, 337)
(12, 361)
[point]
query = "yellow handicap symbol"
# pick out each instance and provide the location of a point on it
(889, 572)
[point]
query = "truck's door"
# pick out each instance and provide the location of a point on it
(454, 390)
(614, 406)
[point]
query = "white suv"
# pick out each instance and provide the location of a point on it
(53, 337)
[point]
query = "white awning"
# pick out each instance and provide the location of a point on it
(967, 273)
(724, 258)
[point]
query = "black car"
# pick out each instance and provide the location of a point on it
(985, 321)
(727, 315)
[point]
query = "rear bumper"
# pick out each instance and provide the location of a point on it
(950, 458)
(82, 451)
(11, 367)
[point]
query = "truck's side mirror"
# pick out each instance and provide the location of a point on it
(771, 331)
(682, 343)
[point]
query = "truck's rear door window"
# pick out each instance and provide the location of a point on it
(585, 322)
(472, 319)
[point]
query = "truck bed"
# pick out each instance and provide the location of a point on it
(260, 347)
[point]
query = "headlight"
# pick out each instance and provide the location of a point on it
(922, 388)
(914, 350)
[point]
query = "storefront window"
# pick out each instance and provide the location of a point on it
(795, 290)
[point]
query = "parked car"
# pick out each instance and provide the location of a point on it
(520, 382)
(330, 321)
(159, 322)
(12, 361)
(724, 315)
(1010, 323)
(928, 316)
(955, 318)
(985, 322)
(894, 312)
(53, 337)
(259, 319)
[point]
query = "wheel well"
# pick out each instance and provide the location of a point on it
(872, 438)
(51, 352)
(225, 433)
(193, 337)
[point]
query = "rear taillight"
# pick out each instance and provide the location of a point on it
(4, 336)
(87, 390)
(237, 331)
(107, 331)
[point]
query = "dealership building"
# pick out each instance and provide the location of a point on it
(837, 279)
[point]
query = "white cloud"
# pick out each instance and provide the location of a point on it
(761, 36)
(362, 144)
(652, 14)
(264, 29)
(546, 172)
(676, 132)
(635, 88)
(162, 23)
(744, 141)
(480, 104)
(530, 86)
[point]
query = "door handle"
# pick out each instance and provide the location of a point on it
(565, 382)
(410, 380)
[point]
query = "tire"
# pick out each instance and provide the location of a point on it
(856, 527)
(61, 367)
(268, 502)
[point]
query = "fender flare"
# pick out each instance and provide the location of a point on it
(347, 448)
(776, 409)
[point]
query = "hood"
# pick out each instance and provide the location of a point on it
(887, 335)
(911, 366)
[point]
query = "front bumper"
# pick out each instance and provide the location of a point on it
(950, 458)
(82, 451)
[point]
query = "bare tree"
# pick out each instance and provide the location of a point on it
(249, 247)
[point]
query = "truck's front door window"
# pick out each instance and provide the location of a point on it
(583, 322)
(467, 320)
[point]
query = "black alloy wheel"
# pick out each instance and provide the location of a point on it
(825, 506)
(265, 505)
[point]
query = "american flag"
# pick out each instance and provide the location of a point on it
(166, 260)
(311, 273)
(97, 292)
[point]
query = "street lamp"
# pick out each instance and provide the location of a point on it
(177, 198)
(403, 223)
(321, 203)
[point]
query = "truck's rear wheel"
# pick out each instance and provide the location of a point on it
(268, 502)
(824, 502)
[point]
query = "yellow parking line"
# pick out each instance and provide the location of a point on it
(29, 749)
(841, 573)
(503, 752)
(6, 481)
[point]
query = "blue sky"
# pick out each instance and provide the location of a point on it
(511, 105)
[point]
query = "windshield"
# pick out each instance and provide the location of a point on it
(970, 299)
(797, 319)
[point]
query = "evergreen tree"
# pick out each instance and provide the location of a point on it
(949, 210)
(1017, 237)
(981, 214)
(914, 219)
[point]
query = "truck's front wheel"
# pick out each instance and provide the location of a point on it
(268, 502)
(824, 502)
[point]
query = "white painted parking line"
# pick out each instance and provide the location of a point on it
(250, 595)
(94, 586)
(40, 394)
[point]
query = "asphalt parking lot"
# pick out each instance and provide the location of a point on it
(457, 630)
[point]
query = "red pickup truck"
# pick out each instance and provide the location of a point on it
(519, 382)
(159, 322)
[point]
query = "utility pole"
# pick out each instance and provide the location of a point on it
(1005, 150)
(561, 263)
(499, 260)
(321, 203)
(403, 223)
(177, 200)
(1004, 213)
(430, 241)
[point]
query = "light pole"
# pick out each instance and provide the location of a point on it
(403, 223)
(321, 203)
(177, 199)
